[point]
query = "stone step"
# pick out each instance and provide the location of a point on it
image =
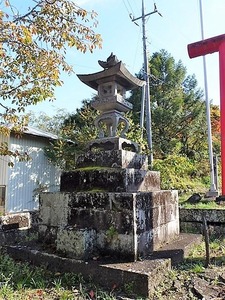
(113, 159)
(178, 249)
(110, 180)
(141, 277)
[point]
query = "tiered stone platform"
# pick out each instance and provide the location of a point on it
(110, 205)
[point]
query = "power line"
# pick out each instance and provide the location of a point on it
(135, 4)
(128, 11)
(137, 47)
(130, 7)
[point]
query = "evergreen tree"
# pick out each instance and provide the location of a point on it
(177, 109)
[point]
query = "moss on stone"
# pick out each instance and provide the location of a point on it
(94, 168)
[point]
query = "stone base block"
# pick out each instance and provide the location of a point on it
(54, 209)
(164, 234)
(112, 243)
(15, 221)
(113, 143)
(79, 244)
(113, 159)
(110, 180)
(132, 224)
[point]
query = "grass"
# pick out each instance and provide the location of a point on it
(21, 281)
(204, 203)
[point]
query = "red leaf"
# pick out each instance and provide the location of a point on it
(91, 294)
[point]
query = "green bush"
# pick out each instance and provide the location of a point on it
(179, 172)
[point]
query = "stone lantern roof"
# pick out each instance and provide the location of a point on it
(117, 73)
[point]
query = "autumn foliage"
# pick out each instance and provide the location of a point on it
(34, 41)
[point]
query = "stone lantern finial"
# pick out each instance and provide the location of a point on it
(111, 61)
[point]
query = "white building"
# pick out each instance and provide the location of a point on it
(21, 184)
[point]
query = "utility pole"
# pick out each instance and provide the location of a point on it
(212, 191)
(146, 90)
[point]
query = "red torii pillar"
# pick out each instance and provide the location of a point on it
(215, 44)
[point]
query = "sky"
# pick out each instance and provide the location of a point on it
(179, 26)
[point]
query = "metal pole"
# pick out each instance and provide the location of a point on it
(212, 191)
(147, 87)
(147, 90)
(142, 109)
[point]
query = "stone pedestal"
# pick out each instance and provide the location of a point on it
(131, 225)
(110, 205)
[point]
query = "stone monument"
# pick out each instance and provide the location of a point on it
(111, 204)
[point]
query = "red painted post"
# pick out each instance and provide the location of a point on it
(222, 111)
(204, 47)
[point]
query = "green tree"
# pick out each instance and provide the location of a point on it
(75, 131)
(33, 48)
(178, 112)
(48, 123)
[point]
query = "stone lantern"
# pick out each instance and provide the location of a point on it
(111, 85)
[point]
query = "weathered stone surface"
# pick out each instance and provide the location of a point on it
(141, 276)
(191, 220)
(54, 209)
(111, 242)
(79, 244)
(165, 233)
(17, 227)
(101, 200)
(178, 248)
(122, 222)
(157, 219)
(113, 159)
(114, 102)
(207, 291)
(15, 221)
(47, 234)
(195, 215)
(146, 219)
(110, 180)
(113, 143)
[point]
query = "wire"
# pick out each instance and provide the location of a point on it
(135, 4)
(137, 48)
(126, 8)
(130, 7)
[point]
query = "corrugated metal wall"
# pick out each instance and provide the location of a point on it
(3, 163)
(28, 179)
